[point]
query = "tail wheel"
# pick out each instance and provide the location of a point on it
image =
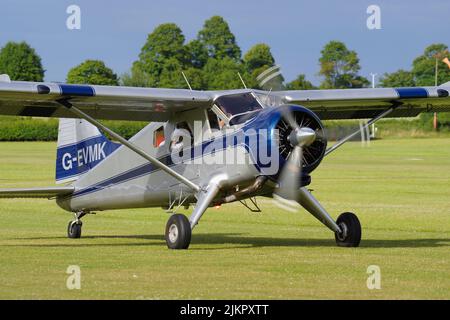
(74, 229)
(178, 232)
(351, 230)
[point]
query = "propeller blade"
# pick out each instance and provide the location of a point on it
(287, 115)
(289, 177)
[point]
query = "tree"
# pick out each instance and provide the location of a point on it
(258, 59)
(196, 78)
(300, 84)
(258, 56)
(424, 66)
(92, 72)
(21, 62)
(218, 39)
(164, 52)
(223, 74)
(171, 75)
(197, 53)
(340, 66)
(400, 78)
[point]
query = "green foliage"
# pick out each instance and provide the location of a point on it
(28, 129)
(92, 72)
(212, 61)
(258, 56)
(218, 40)
(300, 84)
(222, 74)
(258, 59)
(400, 78)
(21, 62)
(32, 129)
(340, 66)
(424, 66)
(196, 78)
(161, 60)
(197, 53)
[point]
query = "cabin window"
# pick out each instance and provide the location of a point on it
(158, 137)
(213, 121)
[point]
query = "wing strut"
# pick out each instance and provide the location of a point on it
(372, 121)
(128, 144)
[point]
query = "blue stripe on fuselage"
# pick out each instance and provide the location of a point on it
(148, 168)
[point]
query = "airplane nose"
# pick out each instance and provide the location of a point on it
(302, 137)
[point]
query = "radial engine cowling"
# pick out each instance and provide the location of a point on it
(313, 153)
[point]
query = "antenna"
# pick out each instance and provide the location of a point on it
(242, 80)
(185, 79)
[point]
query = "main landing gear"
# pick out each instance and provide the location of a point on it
(74, 227)
(179, 228)
(347, 228)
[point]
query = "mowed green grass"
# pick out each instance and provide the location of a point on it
(400, 190)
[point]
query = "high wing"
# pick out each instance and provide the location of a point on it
(38, 99)
(153, 104)
(48, 192)
(368, 103)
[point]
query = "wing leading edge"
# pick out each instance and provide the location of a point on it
(154, 104)
(48, 192)
(368, 103)
(39, 99)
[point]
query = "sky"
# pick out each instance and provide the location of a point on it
(115, 31)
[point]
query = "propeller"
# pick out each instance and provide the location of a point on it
(300, 139)
(286, 194)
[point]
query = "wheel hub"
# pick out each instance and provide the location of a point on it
(173, 233)
(344, 231)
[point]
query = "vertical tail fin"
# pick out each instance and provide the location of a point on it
(81, 146)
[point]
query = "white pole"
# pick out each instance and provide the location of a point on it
(373, 79)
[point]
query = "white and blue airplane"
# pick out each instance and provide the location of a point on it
(177, 159)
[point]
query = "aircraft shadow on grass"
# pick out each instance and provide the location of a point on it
(235, 240)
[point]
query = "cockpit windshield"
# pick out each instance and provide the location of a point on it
(235, 104)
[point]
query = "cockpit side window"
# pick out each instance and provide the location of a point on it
(234, 104)
(213, 120)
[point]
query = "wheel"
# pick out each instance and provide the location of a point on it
(74, 229)
(351, 230)
(178, 232)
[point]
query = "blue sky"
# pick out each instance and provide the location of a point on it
(115, 31)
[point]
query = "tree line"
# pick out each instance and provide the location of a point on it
(213, 61)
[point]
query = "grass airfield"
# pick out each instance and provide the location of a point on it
(400, 190)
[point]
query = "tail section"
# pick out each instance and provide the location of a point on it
(81, 146)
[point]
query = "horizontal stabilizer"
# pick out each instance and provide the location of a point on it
(48, 192)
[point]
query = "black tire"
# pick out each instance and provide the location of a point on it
(74, 229)
(178, 232)
(349, 222)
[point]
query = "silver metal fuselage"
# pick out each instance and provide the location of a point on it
(126, 180)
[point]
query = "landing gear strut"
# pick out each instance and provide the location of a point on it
(74, 227)
(179, 228)
(347, 228)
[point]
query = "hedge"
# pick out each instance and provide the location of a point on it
(35, 129)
